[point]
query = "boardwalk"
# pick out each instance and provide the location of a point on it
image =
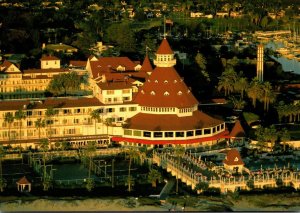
(197, 171)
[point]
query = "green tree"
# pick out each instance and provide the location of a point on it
(178, 152)
(201, 62)
(65, 83)
(95, 115)
(238, 103)
(285, 136)
(227, 80)
(20, 115)
(241, 85)
(89, 152)
(133, 154)
(39, 123)
(268, 95)
(50, 112)
(2, 181)
(44, 145)
(154, 176)
(9, 119)
(255, 91)
(122, 35)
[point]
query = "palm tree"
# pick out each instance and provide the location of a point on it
(9, 118)
(20, 115)
(241, 85)
(284, 137)
(2, 181)
(154, 176)
(133, 154)
(89, 152)
(49, 114)
(44, 145)
(227, 80)
(268, 95)
(237, 103)
(178, 152)
(39, 123)
(95, 115)
(255, 91)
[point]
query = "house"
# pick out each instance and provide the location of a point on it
(233, 161)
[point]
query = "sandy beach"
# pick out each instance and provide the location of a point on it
(257, 203)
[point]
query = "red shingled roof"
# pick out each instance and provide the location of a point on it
(78, 63)
(164, 48)
(171, 141)
(165, 88)
(109, 64)
(233, 157)
(114, 85)
(146, 67)
(168, 122)
(51, 70)
(49, 58)
(23, 181)
(55, 103)
(237, 130)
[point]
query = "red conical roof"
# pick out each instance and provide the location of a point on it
(165, 88)
(23, 181)
(237, 130)
(146, 66)
(233, 157)
(164, 48)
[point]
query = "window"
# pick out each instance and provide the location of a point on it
(123, 109)
(127, 132)
(132, 109)
(147, 134)
(120, 119)
(207, 131)
(125, 91)
(76, 111)
(190, 133)
(214, 130)
(158, 134)
(110, 92)
(166, 94)
(179, 134)
(137, 133)
(76, 121)
(169, 134)
(29, 113)
(152, 93)
(222, 126)
(198, 131)
(166, 81)
(29, 123)
(110, 110)
(179, 93)
(126, 98)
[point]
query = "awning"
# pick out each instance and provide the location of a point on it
(224, 134)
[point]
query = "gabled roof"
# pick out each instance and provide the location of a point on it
(49, 58)
(40, 71)
(171, 122)
(77, 63)
(237, 130)
(55, 103)
(146, 66)
(165, 88)
(109, 64)
(233, 157)
(23, 181)
(115, 85)
(164, 48)
(7, 64)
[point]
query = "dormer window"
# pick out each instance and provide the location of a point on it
(152, 93)
(175, 81)
(188, 91)
(236, 159)
(166, 93)
(181, 80)
(149, 80)
(142, 91)
(156, 81)
(179, 93)
(166, 81)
